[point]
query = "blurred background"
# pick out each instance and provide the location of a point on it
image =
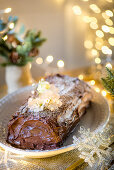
(79, 33)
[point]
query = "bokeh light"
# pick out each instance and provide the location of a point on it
(60, 63)
(111, 41)
(49, 59)
(7, 10)
(97, 60)
(93, 19)
(109, 22)
(98, 45)
(104, 93)
(94, 53)
(93, 25)
(112, 30)
(39, 60)
(92, 82)
(106, 50)
(99, 33)
(105, 28)
(86, 19)
(88, 44)
(97, 89)
(109, 13)
(81, 77)
(95, 8)
(77, 10)
(105, 16)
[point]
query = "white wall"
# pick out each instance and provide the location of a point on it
(63, 30)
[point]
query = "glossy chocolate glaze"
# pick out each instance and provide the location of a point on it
(48, 129)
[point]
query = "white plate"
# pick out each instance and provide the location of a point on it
(96, 119)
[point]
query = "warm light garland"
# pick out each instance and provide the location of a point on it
(39, 60)
(104, 93)
(81, 77)
(97, 60)
(7, 10)
(49, 59)
(98, 17)
(60, 63)
(77, 10)
(92, 82)
(95, 8)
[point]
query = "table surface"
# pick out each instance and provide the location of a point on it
(70, 159)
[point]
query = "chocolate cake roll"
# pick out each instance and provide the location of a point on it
(50, 114)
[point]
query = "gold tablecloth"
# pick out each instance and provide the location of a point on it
(69, 160)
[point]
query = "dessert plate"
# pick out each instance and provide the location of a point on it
(95, 118)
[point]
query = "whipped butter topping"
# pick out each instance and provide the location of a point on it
(48, 97)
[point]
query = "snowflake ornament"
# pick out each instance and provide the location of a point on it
(90, 144)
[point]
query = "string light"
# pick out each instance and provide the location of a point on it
(93, 19)
(109, 65)
(99, 33)
(105, 16)
(93, 25)
(77, 10)
(104, 93)
(81, 77)
(39, 60)
(109, 13)
(111, 30)
(88, 44)
(5, 38)
(11, 25)
(49, 59)
(97, 89)
(111, 41)
(97, 60)
(109, 51)
(86, 19)
(92, 82)
(95, 8)
(98, 45)
(7, 10)
(109, 22)
(94, 52)
(99, 40)
(60, 63)
(105, 28)
(106, 50)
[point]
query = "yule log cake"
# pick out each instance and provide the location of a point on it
(50, 113)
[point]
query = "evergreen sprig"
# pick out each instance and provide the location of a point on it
(15, 49)
(108, 82)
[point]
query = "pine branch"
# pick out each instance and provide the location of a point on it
(108, 82)
(15, 49)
